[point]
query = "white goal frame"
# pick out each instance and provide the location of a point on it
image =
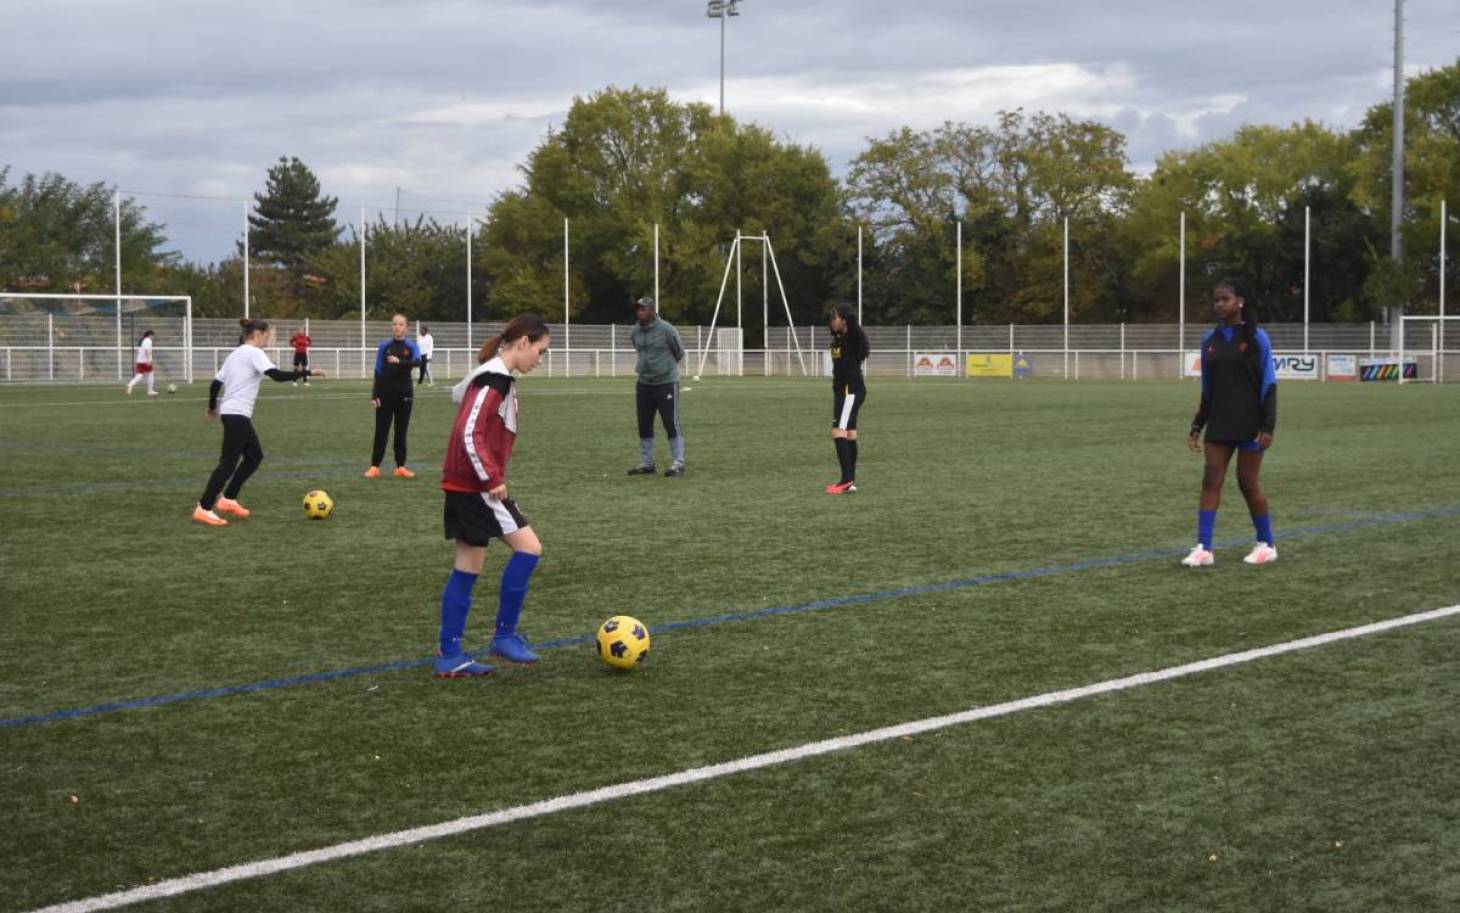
(733, 259)
(1436, 348)
(122, 347)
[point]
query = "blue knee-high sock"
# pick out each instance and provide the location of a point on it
(1206, 522)
(515, 577)
(455, 606)
(646, 451)
(1263, 525)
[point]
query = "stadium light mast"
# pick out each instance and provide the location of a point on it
(1396, 207)
(722, 10)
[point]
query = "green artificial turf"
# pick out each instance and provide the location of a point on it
(1011, 539)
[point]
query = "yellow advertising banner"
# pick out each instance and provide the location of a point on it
(991, 365)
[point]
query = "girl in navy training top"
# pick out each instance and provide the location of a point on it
(1239, 411)
(391, 395)
(478, 510)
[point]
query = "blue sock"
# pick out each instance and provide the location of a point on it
(676, 448)
(1263, 525)
(514, 590)
(646, 451)
(1206, 522)
(455, 606)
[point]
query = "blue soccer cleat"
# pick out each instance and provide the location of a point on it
(512, 648)
(460, 666)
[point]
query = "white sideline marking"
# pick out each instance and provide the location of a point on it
(175, 886)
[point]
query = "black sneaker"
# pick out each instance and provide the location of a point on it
(677, 469)
(644, 469)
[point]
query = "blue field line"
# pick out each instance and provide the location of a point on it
(1053, 570)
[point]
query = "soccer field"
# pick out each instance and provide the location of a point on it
(177, 699)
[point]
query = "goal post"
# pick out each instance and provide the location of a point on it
(1423, 338)
(732, 259)
(55, 337)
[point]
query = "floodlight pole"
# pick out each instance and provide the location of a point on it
(859, 273)
(1067, 297)
(117, 244)
(1396, 206)
(722, 10)
(245, 260)
(567, 343)
(958, 292)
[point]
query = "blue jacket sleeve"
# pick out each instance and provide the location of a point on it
(380, 356)
(1267, 392)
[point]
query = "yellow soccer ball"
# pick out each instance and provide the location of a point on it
(623, 642)
(318, 505)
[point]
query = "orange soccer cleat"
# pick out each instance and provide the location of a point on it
(403, 473)
(373, 472)
(230, 506)
(207, 517)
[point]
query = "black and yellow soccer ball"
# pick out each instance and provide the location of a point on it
(318, 505)
(623, 642)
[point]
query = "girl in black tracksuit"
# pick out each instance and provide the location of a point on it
(391, 396)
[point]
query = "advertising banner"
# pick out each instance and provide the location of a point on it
(1343, 367)
(935, 364)
(991, 365)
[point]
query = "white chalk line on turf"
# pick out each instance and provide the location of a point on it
(175, 886)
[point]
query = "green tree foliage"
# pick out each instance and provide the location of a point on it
(415, 268)
(1244, 202)
(1012, 187)
(1431, 174)
(291, 220)
(625, 160)
(57, 235)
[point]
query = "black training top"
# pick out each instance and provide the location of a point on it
(1238, 386)
(847, 355)
(395, 378)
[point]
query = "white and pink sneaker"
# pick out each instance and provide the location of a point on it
(1261, 553)
(1199, 557)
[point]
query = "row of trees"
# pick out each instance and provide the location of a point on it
(626, 160)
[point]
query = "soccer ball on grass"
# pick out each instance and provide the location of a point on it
(172, 388)
(623, 642)
(318, 505)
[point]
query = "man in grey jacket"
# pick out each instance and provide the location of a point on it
(660, 351)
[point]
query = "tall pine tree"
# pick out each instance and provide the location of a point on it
(291, 221)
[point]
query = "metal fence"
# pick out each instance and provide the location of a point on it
(56, 348)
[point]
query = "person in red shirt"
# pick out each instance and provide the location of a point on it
(478, 510)
(300, 341)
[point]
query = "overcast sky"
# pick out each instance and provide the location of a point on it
(444, 100)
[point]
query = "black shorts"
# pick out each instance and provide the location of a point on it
(301, 359)
(477, 519)
(847, 404)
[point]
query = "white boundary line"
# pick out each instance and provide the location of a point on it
(176, 886)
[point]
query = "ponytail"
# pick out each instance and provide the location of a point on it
(144, 336)
(251, 327)
(530, 325)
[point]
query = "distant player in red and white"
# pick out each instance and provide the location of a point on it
(300, 342)
(478, 510)
(142, 365)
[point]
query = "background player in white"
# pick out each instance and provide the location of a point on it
(142, 363)
(426, 346)
(238, 381)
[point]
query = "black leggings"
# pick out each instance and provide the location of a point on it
(425, 370)
(240, 443)
(397, 408)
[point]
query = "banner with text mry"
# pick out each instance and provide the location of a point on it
(991, 365)
(1298, 366)
(935, 364)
